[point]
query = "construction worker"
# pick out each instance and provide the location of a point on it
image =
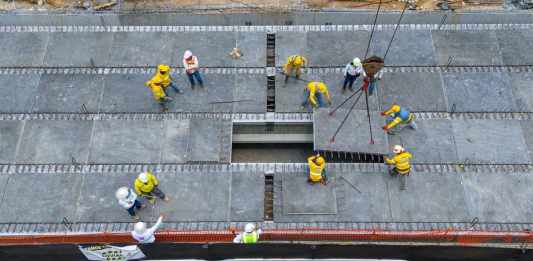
(159, 94)
(317, 169)
(352, 70)
(146, 185)
(398, 115)
(190, 63)
(370, 83)
(294, 62)
(400, 161)
(163, 76)
(128, 199)
(249, 236)
(314, 93)
(145, 235)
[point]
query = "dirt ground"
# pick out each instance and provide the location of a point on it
(244, 5)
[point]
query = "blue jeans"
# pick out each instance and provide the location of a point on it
(319, 99)
(136, 205)
(349, 80)
(192, 76)
(371, 86)
(174, 87)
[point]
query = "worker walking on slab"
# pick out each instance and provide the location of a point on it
(352, 70)
(314, 93)
(159, 94)
(146, 185)
(163, 76)
(400, 160)
(398, 115)
(317, 170)
(294, 63)
(249, 236)
(145, 235)
(190, 63)
(128, 199)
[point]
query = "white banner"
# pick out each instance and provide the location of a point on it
(108, 253)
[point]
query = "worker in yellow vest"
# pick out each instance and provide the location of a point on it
(400, 160)
(398, 115)
(159, 94)
(249, 236)
(163, 76)
(294, 62)
(317, 170)
(315, 93)
(147, 185)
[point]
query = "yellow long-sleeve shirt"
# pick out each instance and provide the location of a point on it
(315, 170)
(143, 188)
(292, 62)
(314, 87)
(400, 162)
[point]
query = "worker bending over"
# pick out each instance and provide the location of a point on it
(249, 236)
(398, 115)
(159, 94)
(294, 62)
(400, 160)
(314, 93)
(317, 170)
(163, 76)
(146, 185)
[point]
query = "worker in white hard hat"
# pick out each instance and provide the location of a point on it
(145, 235)
(317, 169)
(128, 199)
(400, 160)
(249, 236)
(146, 185)
(192, 69)
(352, 70)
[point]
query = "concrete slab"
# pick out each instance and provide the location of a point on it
(26, 195)
(515, 46)
(217, 88)
(493, 197)
(527, 129)
(10, 132)
(479, 92)
(481, 141)
(439, 198)
(300, 198)
(69, 92)
(78, 49)
(522, 90)
(194, 198)
(354, 136)
(141, 49)
(127, 93)
(467, 47)
(253, 46)
(416, 91)
(251, 91)
(438, 133)
(211, 48)
(246, 206)
(205, 143)
(49, 141)
(176, 141)
(122, 141)
(369, 200)
(403, 50)
(23, 49)
(17, 94)
(335, 48)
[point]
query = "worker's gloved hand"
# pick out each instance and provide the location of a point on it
(385, 128)
(383, 114)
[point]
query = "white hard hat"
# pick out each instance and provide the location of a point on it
(139, 228)
(187, 54)
(357, 61)
(143, 177)
(249, 228)
(122, 193)
(398, 149)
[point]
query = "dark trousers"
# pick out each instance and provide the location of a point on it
(349, 80)
(195, 75)
(136, 205)
(156, 192)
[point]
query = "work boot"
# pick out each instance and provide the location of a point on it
(192, 86)
(343, 90)
(142, 206)
(310, 181)
(136, 217)
(324, 181)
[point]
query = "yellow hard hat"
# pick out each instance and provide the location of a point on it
(398, 149)
(163, 68)
(395, 108)
(298, 61)
(320, 161)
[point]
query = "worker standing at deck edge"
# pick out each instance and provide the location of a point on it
(401, 161)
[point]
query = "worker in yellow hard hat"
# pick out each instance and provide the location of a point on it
(400, 160)
(163, 76)
(317, 169)
(314, 93)
(398, 115)
(159, 94)
(294, 62)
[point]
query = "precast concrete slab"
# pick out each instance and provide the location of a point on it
(196, 196)
(291, 43)
(142, 49)
(176, 140)
(522, 90)
(78, 49)
(432, 142)
(23, 49)
(403, 49)
(515, 46)
(206, 143)
(250, 93)
(40, 198)
(479, 92)
(122, 141)
(10, 132)
(416, 91)
(127, 92)
(439, 197)
(467, 48)
(302, 198)
(253, 48)
(211, 48)
(246, 206)
(18, 94)
(69, 93)
(354, 136)
(335, 48)
(490, 142)
(499, 197)
(53, 141)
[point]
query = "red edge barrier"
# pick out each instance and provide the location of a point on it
(313, 235)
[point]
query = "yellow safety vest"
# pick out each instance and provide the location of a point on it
(250, 238)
